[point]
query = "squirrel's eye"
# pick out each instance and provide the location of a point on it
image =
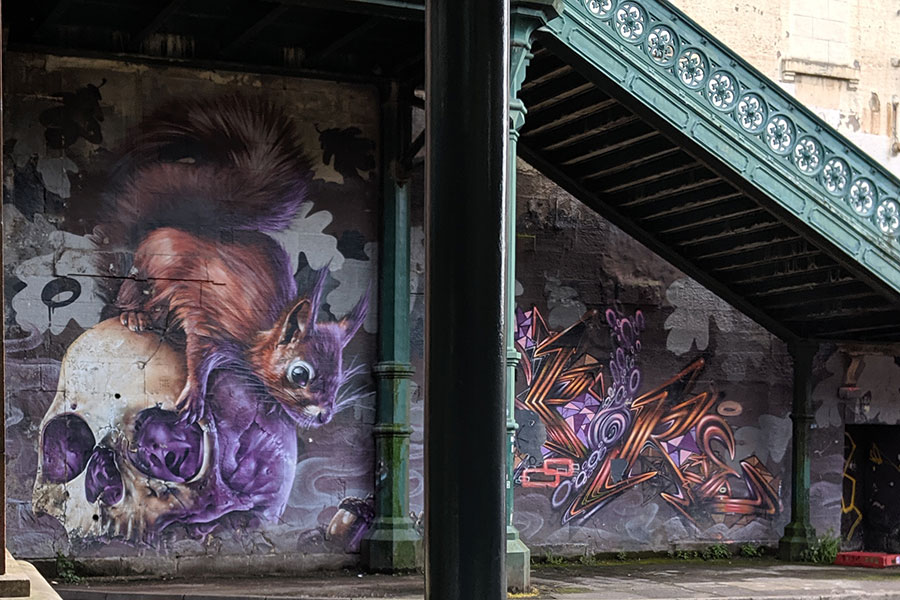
(300, 373)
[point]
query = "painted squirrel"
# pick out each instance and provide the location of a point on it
(199, 187)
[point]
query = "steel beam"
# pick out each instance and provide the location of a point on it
(395, 9)
(254, 30)
(345, 40)
(465, 414)
(166, 10)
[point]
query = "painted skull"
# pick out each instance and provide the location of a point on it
(116, 461)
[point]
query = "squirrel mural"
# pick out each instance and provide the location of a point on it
(201, 185)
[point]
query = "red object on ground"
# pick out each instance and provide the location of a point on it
(874, 560)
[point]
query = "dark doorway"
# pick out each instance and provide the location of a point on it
(870, 506)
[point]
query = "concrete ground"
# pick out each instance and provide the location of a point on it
(641, 580)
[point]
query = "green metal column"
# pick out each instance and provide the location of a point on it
(525, 18)
(392, 543)
(799, 533)
(465, 414)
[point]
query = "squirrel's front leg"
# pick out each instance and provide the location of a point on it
(130, 303)
(192, 400)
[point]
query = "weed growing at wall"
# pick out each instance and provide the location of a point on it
(554, 560)
(684, 554)
(824, 550)
(65, 569)
(751, 551)
(716, 552)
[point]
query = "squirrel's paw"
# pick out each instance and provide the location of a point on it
(135, 320)
(190, 404)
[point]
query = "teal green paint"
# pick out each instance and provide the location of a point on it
(799, 533)
(392, 544)
(816, 172)
(525, 18)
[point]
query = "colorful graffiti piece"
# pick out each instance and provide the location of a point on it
(604, 438)
(184, 406)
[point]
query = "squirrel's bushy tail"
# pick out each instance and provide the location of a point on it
(207, 165)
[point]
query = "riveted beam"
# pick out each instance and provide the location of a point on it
(812, 281)
(845, 325)
(610, 116)
(800, 290)
(731, 228)
(655, 151)
(583, 107)
(654, 170)
(815, 301)
(684, 225)
(853, 315)
(394, 9)
(754, 244)
(627, 139)
(660, 179)
(345, 40)
(692, 183)
(554, 73)
(563, 96)
(681, 204)
(254, 30)
(781, 253)
(823, 310)
(774, 273)
(166, 10)
(749, 236)
(556, 89)
(52, 18)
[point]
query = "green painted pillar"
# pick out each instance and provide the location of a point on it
(392, 544)
(799, 533)
(525, 18)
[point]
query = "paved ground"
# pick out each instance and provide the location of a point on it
(658, 580)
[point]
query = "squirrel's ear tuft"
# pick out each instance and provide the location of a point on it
(353, 320)
(318, 293)
(297, 321)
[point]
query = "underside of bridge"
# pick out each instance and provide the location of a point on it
(733, 192)
(629, 106)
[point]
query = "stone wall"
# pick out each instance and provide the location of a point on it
(839, 57)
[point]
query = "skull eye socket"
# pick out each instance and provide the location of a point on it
(166, 447)
(67, 446)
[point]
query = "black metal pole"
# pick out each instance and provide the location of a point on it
(465, 412)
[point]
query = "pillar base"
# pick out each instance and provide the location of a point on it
(797, 538)
(518, 562)
(392, 546)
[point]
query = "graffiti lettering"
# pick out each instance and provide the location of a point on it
(550, 475)
(619, 440)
